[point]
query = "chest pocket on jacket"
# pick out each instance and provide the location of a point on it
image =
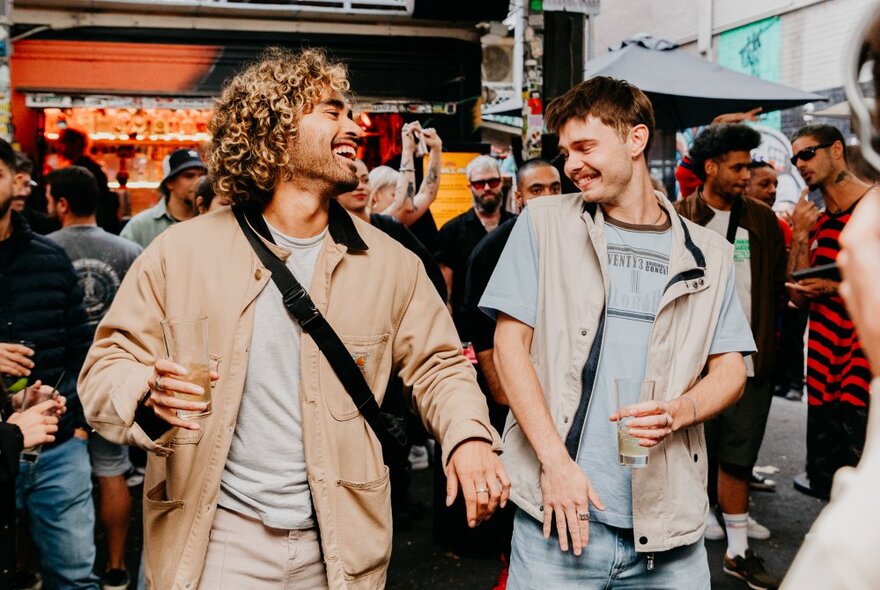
(367, 353)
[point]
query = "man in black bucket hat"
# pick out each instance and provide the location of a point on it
(182, 170)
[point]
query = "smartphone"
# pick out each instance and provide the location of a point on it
(824, 271)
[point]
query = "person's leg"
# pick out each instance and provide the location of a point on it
(741, 433)
(62, 516)
(110, 463)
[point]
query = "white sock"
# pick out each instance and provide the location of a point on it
(737, 526)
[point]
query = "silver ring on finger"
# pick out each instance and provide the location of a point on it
(157, 383)
(482, 491)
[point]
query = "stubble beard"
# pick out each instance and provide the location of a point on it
(332, 178)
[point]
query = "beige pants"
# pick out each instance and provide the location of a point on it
(245, 553)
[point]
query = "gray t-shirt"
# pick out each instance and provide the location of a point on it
(265, 472)
(101, 261)
(638, 266)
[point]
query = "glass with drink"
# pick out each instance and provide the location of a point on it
(31, 397)
(186, 342)
(629, 392)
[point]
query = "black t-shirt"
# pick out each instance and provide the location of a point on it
(425, 230)
(455, 243)
(480, 267)
(399, 232)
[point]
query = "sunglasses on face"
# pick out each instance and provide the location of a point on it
(809, 153)
(490, 182)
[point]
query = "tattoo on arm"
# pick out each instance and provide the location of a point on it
(410, 190)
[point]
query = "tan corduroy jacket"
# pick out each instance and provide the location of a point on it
(378, 299)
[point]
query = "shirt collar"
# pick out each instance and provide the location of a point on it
(160, 210)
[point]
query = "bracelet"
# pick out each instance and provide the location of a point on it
(407, 169)
(693, 407)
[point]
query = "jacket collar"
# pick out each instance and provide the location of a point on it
(341, 227)
(681, 234)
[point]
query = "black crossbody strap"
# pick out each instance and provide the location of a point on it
(733, 223)
(302, 308)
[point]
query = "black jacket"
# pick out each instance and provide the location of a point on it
(41, 301)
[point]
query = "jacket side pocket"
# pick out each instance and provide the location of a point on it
(162, 520)
(364, 509)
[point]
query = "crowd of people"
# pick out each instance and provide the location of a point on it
(517, 317)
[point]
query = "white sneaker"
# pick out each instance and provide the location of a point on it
(714, 532)
(757, 530)
(418, 458)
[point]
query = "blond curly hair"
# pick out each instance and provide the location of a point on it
(256, 119)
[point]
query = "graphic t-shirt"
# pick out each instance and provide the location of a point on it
(638, 269)
(101, 261)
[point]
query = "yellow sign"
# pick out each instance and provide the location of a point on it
(454, 196)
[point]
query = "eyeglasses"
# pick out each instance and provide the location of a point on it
(490, 182)
(809, 153)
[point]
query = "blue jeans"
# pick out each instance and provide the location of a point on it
(56, 491)
(608, 561)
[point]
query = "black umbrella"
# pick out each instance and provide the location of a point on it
(687, 90)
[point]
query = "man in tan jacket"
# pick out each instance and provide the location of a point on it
(283, 484)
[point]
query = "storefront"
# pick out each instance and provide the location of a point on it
(137, 102)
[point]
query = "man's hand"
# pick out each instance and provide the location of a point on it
(408, 138)
(814, 288)
(805, 216)
(166, 380)
(751, 115)
(39, 423)
(567, 494)
(484, 484)
(431, 139)
(15, 359)
(651, 422)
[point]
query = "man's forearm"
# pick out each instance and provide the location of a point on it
(798, 258)
(490, 373)
(524, 394)
(720, 388)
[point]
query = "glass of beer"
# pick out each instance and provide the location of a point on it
(186, 342)
(629, 392)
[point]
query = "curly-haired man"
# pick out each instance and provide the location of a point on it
(283, 484)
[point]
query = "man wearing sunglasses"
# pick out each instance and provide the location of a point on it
(838, 376)
(460, 235)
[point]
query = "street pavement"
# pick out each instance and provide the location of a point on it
(418, 562)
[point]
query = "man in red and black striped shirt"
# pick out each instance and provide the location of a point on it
(838, 376)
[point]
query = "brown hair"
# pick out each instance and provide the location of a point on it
(616, 103)
(257, 117)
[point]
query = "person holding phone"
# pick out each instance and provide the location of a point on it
(838, 377)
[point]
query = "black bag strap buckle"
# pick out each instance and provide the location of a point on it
(305, 312)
